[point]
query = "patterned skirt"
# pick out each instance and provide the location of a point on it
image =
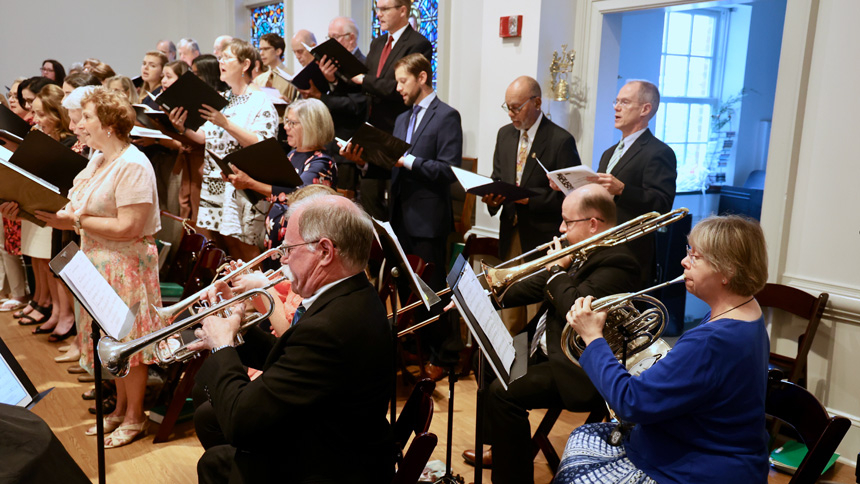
(588, 458)
(131, 269)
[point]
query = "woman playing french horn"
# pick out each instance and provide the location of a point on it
(699, 411)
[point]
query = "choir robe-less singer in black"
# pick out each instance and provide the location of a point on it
(318, 412)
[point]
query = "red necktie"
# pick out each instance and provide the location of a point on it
(384, 56)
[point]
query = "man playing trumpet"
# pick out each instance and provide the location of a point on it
(305, 408)
(552, 380)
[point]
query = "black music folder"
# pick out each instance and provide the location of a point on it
(191, 92)
(347, 64)
(265, 162)
(12, 123)
(9, 140)
(137, 81)
(396, 257)
(507, 355)
(311, 72)
(50, 160)
(380, 148)
(159, 120)
(481, 185)
(31, 192)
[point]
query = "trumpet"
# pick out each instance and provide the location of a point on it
(115, 355)
(169, 313)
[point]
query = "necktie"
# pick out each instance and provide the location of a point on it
(521, 156)
(539, 331)
(271, 81)
(413, 120)
(300, 311)
(384, 56)
(615, 156)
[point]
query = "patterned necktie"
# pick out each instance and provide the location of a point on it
(300, 311)
(539, 331)
(384, 56)
(413, 121)
(521, 156)
(615, 156)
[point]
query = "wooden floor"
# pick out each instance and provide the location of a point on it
(175, 462)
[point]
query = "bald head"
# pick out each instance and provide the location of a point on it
(340, 220)
(523, 101)
(587, 211)
(303, 37)
(345, 31)
(220, 44)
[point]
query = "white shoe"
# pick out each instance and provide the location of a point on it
(11, 305)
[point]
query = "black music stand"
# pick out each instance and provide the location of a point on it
(400, 267)
(85, 287)
(494, 343)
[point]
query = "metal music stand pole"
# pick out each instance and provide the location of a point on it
(479, 421)
(99, 401)
(395, 273)
(449, 477)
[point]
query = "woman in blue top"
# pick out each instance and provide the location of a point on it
(700, 411)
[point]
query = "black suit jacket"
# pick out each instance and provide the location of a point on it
(318, 411)
(421, 197)
(608, 271)
(538, 220)
(347, 104)
(385, 103)
(648, 170)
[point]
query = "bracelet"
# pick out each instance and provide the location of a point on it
(214, 350)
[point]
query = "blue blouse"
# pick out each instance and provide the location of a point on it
(700, 410)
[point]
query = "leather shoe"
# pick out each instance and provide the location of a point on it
(434, 372)
(486, 460)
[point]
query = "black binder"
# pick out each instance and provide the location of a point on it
(311, 72)
(347, 64)
(191, 92)
(49, 160)
(265, 162)
(30, 192)
(380, 148)
(12, 123)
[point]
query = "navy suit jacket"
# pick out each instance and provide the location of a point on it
(421, 197)
(537, 221)
(385, 103)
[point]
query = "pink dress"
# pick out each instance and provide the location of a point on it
(130, 267)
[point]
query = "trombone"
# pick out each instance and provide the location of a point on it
(115, 355)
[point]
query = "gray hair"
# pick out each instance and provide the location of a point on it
(317, 124)
(73, 100)
(306, 36)
(349, 26)
(340, 220)
(189, 42)
(648, 93)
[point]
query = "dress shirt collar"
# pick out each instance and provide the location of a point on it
(395, 36)
(628, 141)
(307, 302)
(533, 130)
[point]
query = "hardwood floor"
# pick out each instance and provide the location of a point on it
(175, 461)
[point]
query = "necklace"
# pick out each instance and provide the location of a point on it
(729, 310)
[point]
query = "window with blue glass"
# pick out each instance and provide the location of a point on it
(266, 19)
(425, 15)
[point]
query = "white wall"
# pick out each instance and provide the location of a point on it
(118, 33)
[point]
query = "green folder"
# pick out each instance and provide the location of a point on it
(790, 455)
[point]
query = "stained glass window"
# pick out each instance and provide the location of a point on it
(266, 19)
(426, 15)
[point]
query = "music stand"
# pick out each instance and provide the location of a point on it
(99, 300)
(396, 259)
(17, 388)
(507, 356)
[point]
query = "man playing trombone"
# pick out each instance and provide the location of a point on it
(305, 419)
(552, 380)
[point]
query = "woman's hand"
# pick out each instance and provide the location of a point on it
(213, 116)
(587, 323)
(353, 153)
(177, 118)
(240, 179)
(62, 220)
(9, 210)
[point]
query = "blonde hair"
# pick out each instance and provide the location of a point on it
(735, 246)
(52, 103)
(317, 125)
(127, 87)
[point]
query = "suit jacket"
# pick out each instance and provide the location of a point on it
(347, 104)
(648, 170)
(537, 221)
(385, 103)
(421, 197)
(608, 271)
(318, 411)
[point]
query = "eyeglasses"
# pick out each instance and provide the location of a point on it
(288, 123)
(339, 36)
(693, 258)
(289, 248)
(225, 58)
(46, 69)
(517, 109)
(623, 102)
(568, 222)
(266, 48)
(385, 9)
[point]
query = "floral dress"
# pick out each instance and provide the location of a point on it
(315, 168)
(254, 112)
(130, 267)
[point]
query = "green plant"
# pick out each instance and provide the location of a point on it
(727, 109)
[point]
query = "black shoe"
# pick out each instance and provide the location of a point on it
(56, 338)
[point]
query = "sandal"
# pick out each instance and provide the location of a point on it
(56, 338)
(20, 314)
(12, 305)
(27, 320)
(126, 434)
(110, 424)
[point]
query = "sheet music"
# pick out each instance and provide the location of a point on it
(569, 179)
(141, 132)
(12, 391)
(482, 309)
(106, 306)
(5, 154)
(470, 180)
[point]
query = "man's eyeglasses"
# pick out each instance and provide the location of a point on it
(289, 248)
(623, 103)
(568, 222)
(516, 109)
(385, 9)
(339, 36)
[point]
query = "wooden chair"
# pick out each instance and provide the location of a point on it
(464, 203)
(821, 433)
(415, 419)
(172, 284)
(205, 270)
(801, 304)
(540, 440)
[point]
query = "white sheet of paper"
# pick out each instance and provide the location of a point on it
(479, 304)
(142, 132)
(274, 95)
(569, 179)
(5, 154)
(147, 108)
(470, 180)
(108, 309)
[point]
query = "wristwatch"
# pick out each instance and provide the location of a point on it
(555, 269)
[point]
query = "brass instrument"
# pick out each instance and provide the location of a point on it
(169, 313)
(500, 280)
(114, 354)
(640, 328)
